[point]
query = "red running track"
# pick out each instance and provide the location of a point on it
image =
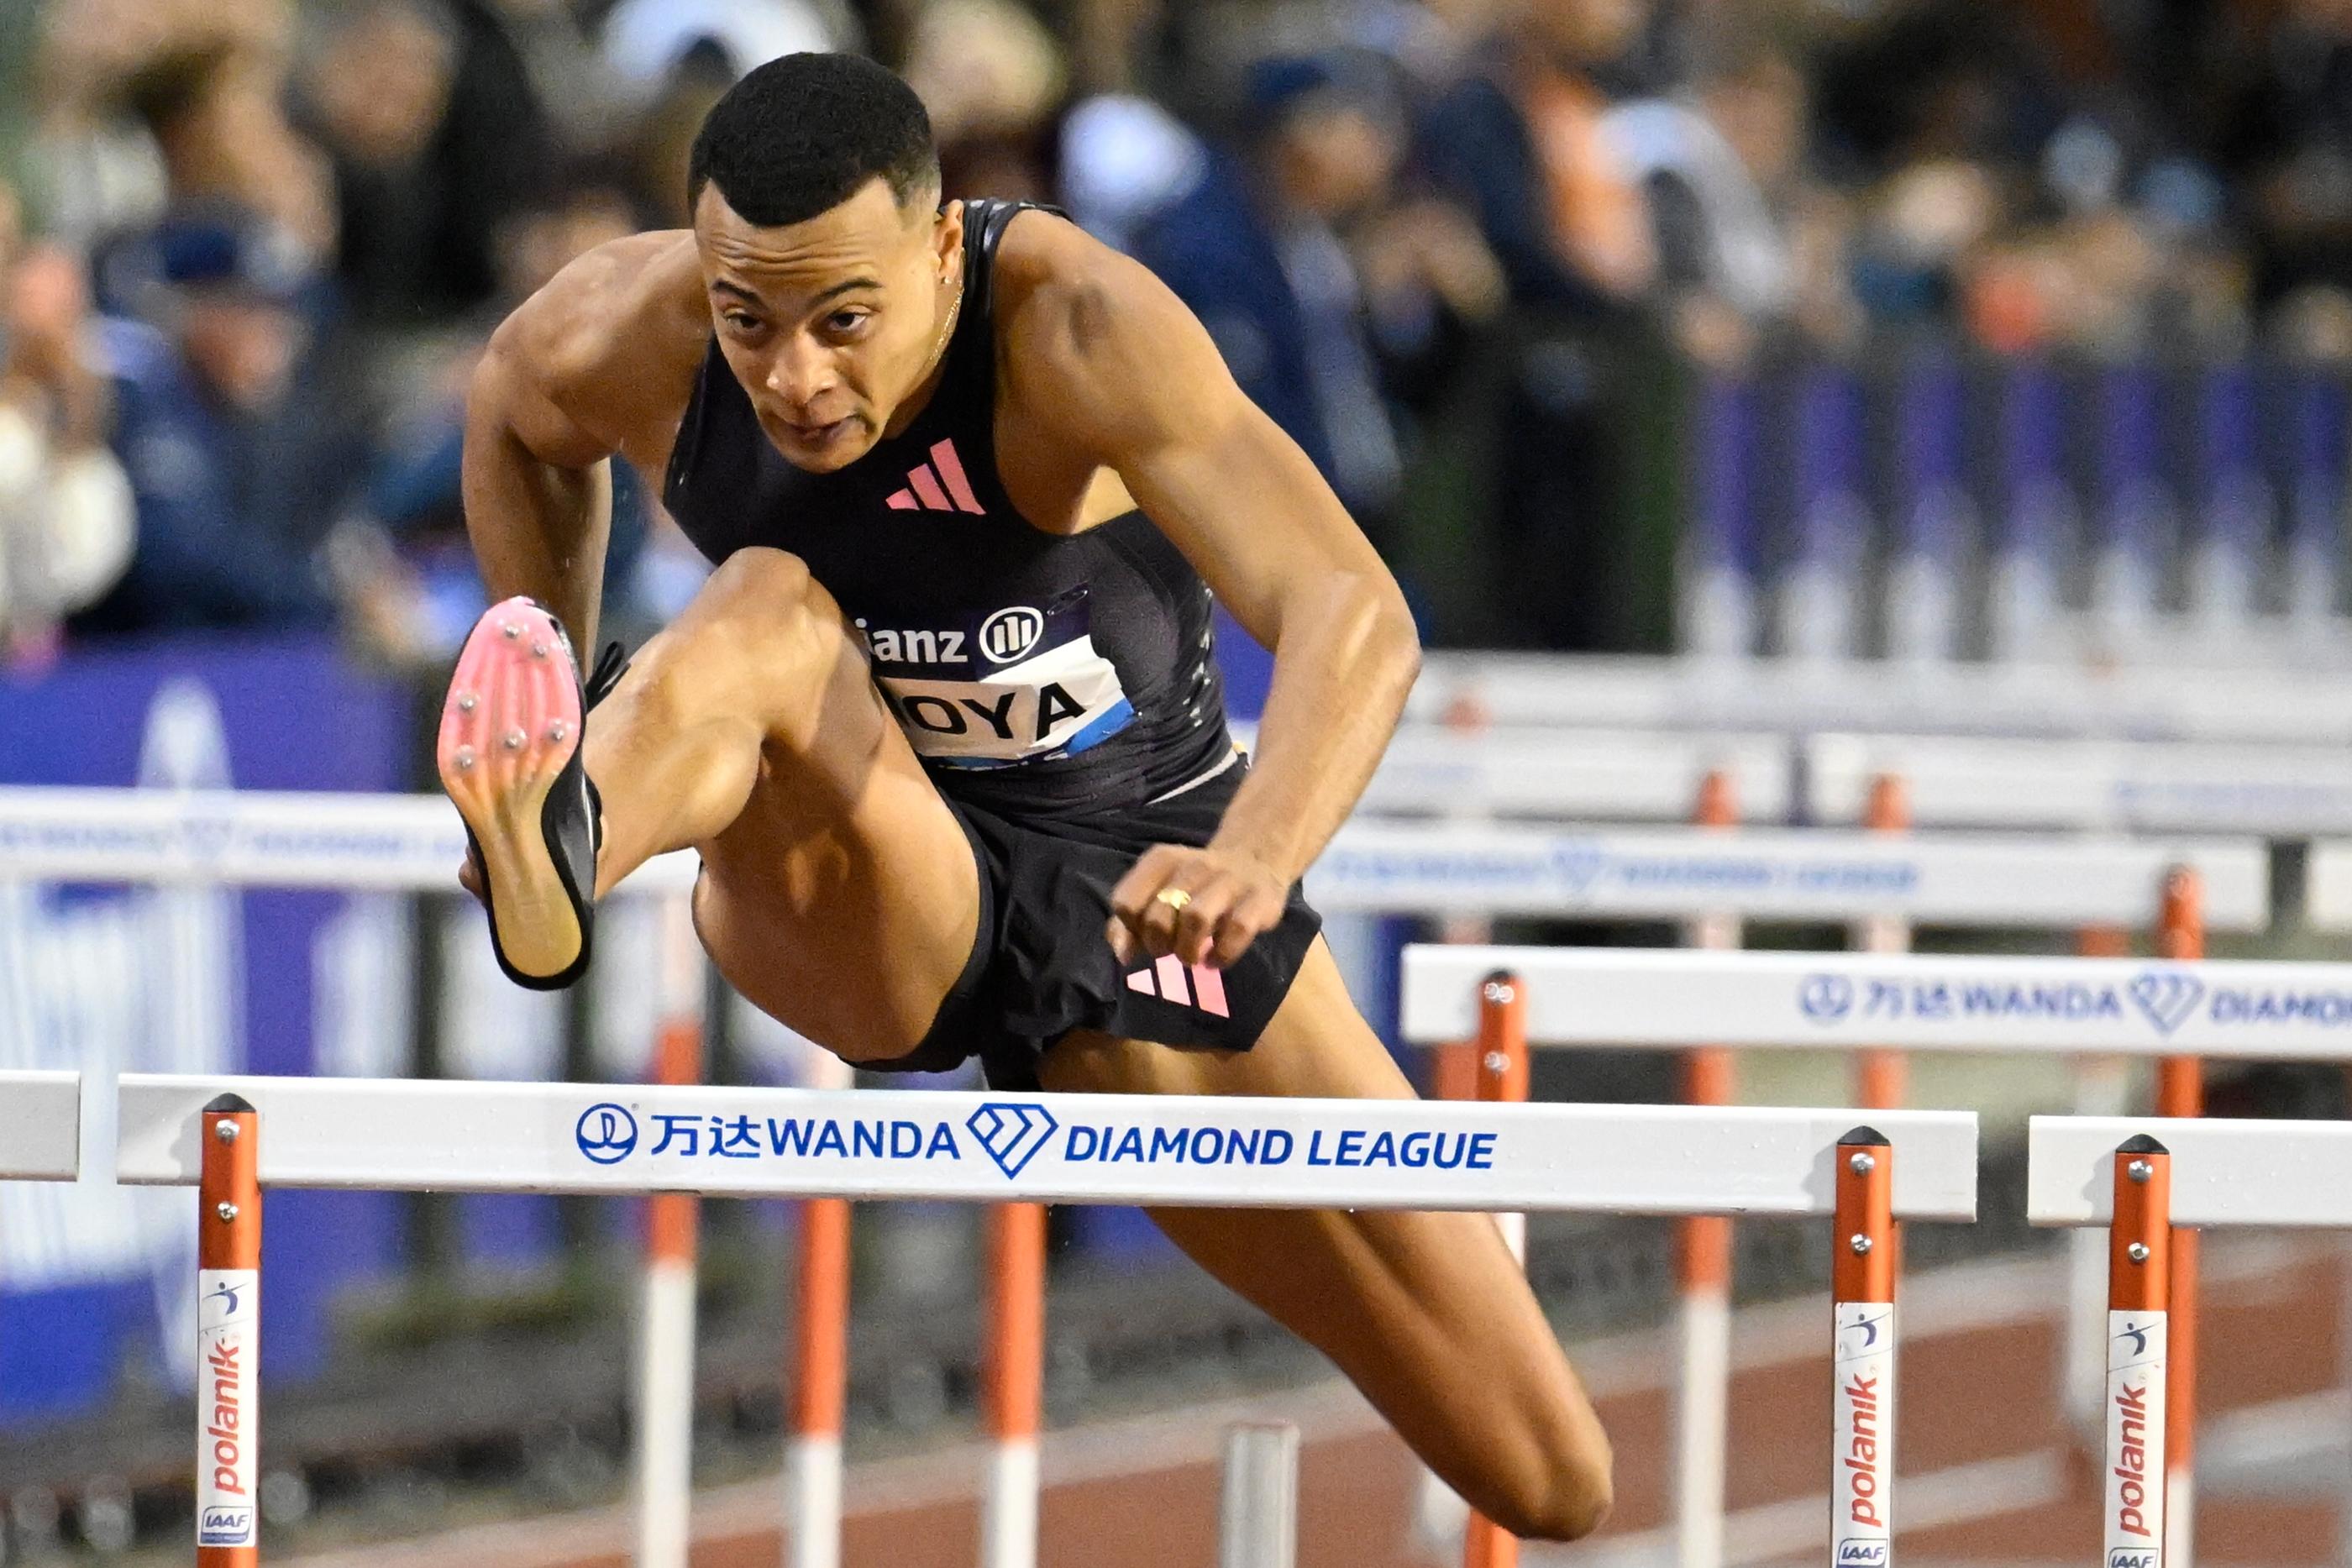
(1988, 1479)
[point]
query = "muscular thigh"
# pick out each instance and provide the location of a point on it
(1427, 1314)
(844, 899)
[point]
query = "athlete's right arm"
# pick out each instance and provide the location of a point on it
(595, 364)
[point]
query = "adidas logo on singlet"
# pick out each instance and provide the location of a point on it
(938, 485)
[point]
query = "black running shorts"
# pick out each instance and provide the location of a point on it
(1040, 965)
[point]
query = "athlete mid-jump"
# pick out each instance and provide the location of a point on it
(943, 724)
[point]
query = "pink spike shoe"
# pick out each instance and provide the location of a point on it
(509, 754)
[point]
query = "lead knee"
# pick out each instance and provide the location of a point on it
(759, 629)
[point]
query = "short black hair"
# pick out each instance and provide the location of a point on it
(803, 133)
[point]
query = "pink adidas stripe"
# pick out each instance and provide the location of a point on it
(1172, 988)
(951, 468)
(934, 498)
(903, 501)
(1211, 987)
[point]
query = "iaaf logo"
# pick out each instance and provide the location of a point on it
(2168, 997)
(2134, 1557)
(1862, 1554)
(1011, 1132)
(225, 1527)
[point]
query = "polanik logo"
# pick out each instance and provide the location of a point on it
(2167, 997)
(1825, 998)
(1011, 1132)
(606, 1133)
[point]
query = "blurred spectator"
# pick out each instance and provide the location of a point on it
(175, 101)
(237, 468)
(401, 557)
(1122, 158)
(437, 132)
(992, 77)
(645, 41)
(1521, 140)
(2287, 137)
(65, 507)
(1254, 247)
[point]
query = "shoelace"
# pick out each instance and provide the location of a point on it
(611, 666)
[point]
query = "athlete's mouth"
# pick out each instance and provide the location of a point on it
(824, 434)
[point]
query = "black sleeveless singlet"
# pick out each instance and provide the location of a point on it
(1037, 674)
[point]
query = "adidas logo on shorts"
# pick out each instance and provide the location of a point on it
(1186, 985)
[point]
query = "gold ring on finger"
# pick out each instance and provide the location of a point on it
(1175, 898)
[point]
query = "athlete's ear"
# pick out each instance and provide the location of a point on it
(947, 242)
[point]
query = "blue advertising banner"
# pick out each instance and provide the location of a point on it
(97, 1282)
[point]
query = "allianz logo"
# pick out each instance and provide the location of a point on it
(1006, 635)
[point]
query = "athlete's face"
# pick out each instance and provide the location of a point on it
(831, 324)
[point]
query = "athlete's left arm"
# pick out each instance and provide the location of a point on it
(1126, 375)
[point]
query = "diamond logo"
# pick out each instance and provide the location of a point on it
(1577, 863)
(2167, 996)
(1011, 1132)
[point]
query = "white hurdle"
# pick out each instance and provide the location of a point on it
(1854, 1001)
(1795, 696)
(714, 1141)
(2279, 791)
(40, 1125)
(2145, 1178)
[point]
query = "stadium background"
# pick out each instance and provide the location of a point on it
(1877, 329)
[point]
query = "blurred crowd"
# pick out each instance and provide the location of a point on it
(249, 248)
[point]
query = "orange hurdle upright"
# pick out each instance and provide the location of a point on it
(1881, 1080)
(2180, 1092)
(1013, 1380)
(1702, 1421)
(2140, 1258)
(1503, 1073)
(665, 1426)
(816, 1395)
(228, 1337)
(1862, 1387)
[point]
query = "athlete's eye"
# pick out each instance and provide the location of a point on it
(846, 323)
(741, 321)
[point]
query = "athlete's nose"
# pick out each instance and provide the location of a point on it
(800, 374)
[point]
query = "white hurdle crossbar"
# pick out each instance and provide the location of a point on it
(2283, 1175)
(637, 1139)
(1800, 696)
(2278, 791)
(631, 1139)
(415, 843)
(2007, 881)
(40, 1125)
(2123, 1006)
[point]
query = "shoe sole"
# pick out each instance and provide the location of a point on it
(498, 758)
